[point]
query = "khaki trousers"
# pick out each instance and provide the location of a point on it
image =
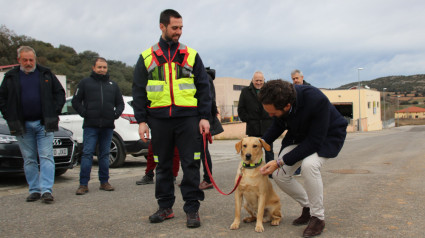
(311, 195)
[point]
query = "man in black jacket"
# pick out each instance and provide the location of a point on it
(99, 101)
(252, 112)
(31, 98)
(316, 131)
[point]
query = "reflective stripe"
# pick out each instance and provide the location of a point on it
(154, 88)
(186, 86)
(155, 158)
(197, 155)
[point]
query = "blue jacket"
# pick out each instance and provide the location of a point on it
(313, 123)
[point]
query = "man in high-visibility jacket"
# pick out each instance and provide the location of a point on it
(171, 95)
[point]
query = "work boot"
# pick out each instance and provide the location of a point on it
(82, 189)
(161, 215)
(304, 218)
(106, 186)
(33, 197)
(315, 227)
(193, 220)
(47, 198)
(147, 179)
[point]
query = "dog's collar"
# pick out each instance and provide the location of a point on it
(252, 166)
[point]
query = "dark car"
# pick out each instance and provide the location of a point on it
(11, 161)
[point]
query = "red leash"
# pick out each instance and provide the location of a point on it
(204, 136)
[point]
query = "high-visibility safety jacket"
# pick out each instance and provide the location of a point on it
(170, 82)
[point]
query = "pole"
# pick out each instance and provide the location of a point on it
(360, 113)
(384, 105)
(398, 113)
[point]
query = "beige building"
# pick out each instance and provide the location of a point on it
(346, 101)
(410, 113)
(227, 92)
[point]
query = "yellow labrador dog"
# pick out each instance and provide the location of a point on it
(261, 201)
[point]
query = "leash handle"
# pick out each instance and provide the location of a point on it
(204, 138)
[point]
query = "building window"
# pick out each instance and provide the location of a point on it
(368, 105)
(238, 87)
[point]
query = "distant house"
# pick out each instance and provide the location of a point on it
(410, 113)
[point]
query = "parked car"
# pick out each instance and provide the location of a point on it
(125, 139)
(11, 161)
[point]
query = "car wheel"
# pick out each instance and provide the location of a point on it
(116, 153)
(59, 172)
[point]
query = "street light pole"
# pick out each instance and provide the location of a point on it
(360, 114)
(384, 105)
(398, 109)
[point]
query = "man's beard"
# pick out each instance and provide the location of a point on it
(26, 70)
(167, 38)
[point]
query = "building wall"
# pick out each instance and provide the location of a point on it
(227, 96)
(370, 105)
(410, 115)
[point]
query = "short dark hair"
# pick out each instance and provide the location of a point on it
(165, 16)
(277, 93)
(99, 59)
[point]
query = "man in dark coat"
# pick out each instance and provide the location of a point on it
(316, 132)
(99, 101)
(31, 98)
(252, 112)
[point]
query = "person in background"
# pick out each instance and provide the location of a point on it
(298, 79)
(252, 112)
(151, 164)
(99, 101)
(316, 132)
(31, 99)
(171, 95)
(216, 128)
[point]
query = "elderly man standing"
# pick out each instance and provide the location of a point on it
(31, 98)
(252, 112)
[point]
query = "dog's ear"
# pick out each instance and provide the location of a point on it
(265, 145)
(238, 146)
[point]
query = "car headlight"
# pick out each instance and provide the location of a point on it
(7, 139)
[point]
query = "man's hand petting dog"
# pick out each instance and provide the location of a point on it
(269, 168)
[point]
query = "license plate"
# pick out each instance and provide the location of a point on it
(60, 152)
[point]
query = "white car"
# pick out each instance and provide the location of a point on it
(125, 139)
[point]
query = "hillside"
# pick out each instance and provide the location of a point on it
(398, 84)
(63, 60)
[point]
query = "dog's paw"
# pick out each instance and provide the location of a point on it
(249, 219)
(234, 226)
(275, 222)
(259, 228)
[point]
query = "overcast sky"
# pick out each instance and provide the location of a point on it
(328, 40)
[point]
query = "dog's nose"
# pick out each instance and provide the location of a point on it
(248, 156)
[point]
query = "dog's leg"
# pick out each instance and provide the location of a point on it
(260, 213)
(276, 216)
(251, 212)
(238, 207)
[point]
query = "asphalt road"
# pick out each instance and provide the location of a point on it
(375, 188)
